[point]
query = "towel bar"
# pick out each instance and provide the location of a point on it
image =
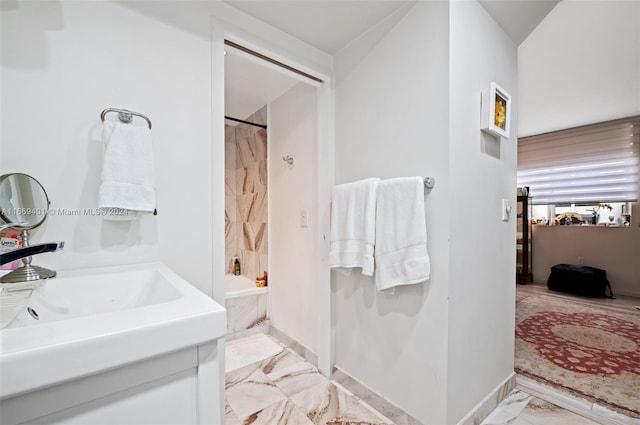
(429, 182)
(125, 115)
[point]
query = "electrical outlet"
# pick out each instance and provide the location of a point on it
(580, 261)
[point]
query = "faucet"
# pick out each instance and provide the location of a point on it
(28, 251)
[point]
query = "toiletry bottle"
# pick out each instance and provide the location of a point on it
(236, 267)
(10, 240)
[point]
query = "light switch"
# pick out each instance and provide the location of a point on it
(304, 218)
(506, 209)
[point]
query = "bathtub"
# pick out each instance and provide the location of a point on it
(241, 286)
(247, 307)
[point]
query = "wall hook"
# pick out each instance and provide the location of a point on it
(289, 160)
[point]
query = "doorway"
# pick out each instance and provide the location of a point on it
(288, 242)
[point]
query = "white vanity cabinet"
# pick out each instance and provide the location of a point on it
(155, 357)
(170, 389)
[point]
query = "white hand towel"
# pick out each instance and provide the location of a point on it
(353, 218)
(127, 190)
(401, 234)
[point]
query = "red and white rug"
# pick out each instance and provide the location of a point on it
(593, 353)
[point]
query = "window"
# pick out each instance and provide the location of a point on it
(583, 165)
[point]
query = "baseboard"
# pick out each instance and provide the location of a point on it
(373, 399)
(490, 402)
(582, 407)
(299, 349)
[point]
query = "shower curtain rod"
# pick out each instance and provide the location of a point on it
(245, 122)
(270, 60)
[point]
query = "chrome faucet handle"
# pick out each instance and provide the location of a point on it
(28, 272)
(30, 250)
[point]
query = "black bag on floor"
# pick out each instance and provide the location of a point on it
(579, 280)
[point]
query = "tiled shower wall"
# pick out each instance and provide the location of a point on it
(246, 195)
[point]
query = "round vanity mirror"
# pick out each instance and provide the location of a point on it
(23, 201)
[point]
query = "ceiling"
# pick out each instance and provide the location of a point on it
(330, 25)
(250, 84)
(518, 18)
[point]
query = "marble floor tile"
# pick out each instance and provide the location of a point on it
(296, 378)
(248, 390)
(325, 403)
(540, 412)
(282, 413)
(280, 361)
(230, 418)
(508, 409)
(285, 389)
(268, 383)
(254, 348)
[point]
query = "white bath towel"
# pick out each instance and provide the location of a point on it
(353, 218)
(401, 234)
(127, 190)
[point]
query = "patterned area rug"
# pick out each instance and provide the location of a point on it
(593, 353)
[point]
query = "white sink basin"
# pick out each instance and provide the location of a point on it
(77, 295)
(92, 320)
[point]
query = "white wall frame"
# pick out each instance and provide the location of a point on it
(496, 111)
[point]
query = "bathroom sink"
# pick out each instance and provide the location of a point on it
(86, 321)
(78, 295)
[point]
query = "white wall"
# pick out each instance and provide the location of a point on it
(482, 247)
(62, 64)
(581, 65)
(391, 121)
(407, 103)
(292, 248)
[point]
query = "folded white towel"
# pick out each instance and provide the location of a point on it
(127, 190)
(353, 218)
(401, 234)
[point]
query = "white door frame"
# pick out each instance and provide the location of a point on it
(325, 179)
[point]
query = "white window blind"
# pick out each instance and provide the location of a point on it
(589, 164)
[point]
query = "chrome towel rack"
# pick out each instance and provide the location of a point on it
(125, 116)
(429, 182)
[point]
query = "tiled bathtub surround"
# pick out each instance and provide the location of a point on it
(247, 315)
(246, 195)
